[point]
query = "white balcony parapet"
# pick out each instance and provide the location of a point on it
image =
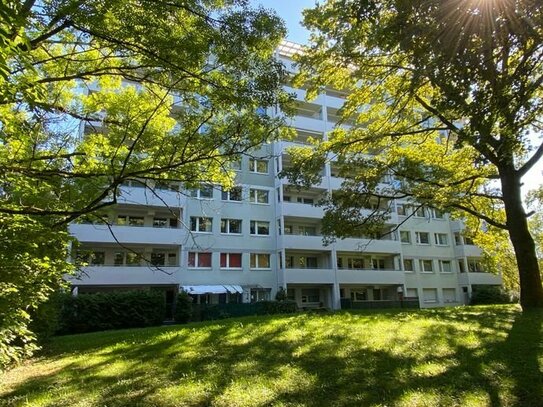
(128, 234)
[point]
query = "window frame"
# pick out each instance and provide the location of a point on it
(227, 230)
(254, 164)
(196, 262)
(254, 263)
(227, 256)
(419, 240)
(254, 226)
(254, 196)
(227, 195)
(198, 224)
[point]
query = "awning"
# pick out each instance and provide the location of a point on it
(212, 289)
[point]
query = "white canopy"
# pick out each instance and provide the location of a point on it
(212, 289)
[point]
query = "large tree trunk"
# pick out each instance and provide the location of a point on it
(531, 290)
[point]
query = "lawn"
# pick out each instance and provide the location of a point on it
(469, 356)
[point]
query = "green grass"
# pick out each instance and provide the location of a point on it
(477, 356)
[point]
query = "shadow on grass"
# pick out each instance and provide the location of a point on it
(478, 356)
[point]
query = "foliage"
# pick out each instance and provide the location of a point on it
(45, 320)
(112, 310)
(183, 308)
(464, 356)
(95, 94)
(442, 98)
(281, 294)
(489, 295)
(32, 263)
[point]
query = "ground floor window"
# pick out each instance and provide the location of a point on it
(360, 294)
(260, 294)
(310, 295)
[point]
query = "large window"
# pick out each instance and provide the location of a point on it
(260, 261)
(423, 237)
(449, 295)
(405, 236)
(426, 266)
(445, 266)
(441, 239)
(260, 196)
(163, 258)
(204, 192)
(199, 260)
(164, 222)
(259, 166)
(124, 220)
(91, 258)
(311, 295)
(260, 228)
(308, 262)
(231, 226)
(234, 194)
(475, 266)
(419, 212)
(201, 224)
(231, 260)
(260, 294)
(408, 265)
(360, 294)
(429, 295)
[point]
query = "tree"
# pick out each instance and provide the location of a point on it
(444, 97)
(164, 91)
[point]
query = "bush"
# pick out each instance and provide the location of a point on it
(45, 320)
(490, 295)
(114, 310)
(183, 308)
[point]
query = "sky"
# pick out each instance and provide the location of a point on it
(291, 12)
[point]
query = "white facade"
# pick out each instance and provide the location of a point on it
(244, 245)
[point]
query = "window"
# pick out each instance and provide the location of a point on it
(205, 192)
(118, 259)
(457, 239)
(423, 237)
(258, 166)
(304, 200)
(311, 295)
(401, 210)
(475, 266)
(461, 266)
(449, 295)
(359, 295)
(437, 214)
(307, 230)
(405, 236)
(288, 229)
(233, 194)
(441, 239)
(91, 258)
(260, 294)
(355, 263)
(408, 265)
(419, 212)
(260, 261)
(445, 266)
(231, 260)
(429, 295)
(134, 259)
(378, 264)
(468, 240)
(231, 226)
(124, 220)
(160, 222)
(411, 293)
(199, 260)
(163, 258)
(309, 262)
(260, 196)
(200, 224)
(260, 228)
(426, 266)
(291, 294)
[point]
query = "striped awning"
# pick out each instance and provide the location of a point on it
(211, 289)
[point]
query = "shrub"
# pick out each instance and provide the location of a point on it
(45, 320)
(183, 308)
(113, 310)
(489, 295)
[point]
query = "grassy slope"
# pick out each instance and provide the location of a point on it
(450, 357)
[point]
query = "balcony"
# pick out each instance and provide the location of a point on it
(368, 245)
(467, 250)
(370, 276)
(480, 278)
(302, 210)
(309, 276)
(302, 242)
(145, 196)
(125, 275)
(128, 234)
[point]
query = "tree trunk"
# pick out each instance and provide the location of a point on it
(531, 290)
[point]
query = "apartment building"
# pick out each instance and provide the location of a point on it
(245, 244)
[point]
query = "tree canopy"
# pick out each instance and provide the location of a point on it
(94, 94)
(445, 97)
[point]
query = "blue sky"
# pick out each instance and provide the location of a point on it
(291, 12)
